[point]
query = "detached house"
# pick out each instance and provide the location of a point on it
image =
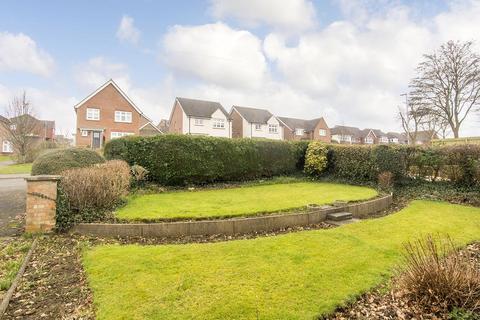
(199, 117)
(346, 135)
(108, 113)
(299, 129)
(255, 123)
(39, 130)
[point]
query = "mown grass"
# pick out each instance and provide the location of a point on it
(292, 276)
(246, 200)
(16, 168)
(12, 253)
(4, 158)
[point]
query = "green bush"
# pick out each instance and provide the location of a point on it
(183, 159)
(58, 160)
(316, 158)
(353, 163)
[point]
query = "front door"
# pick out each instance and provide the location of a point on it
(96, 139)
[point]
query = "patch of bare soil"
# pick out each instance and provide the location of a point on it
(54, 285)
(388, 302)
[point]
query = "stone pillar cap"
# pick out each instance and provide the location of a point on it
(43, 178)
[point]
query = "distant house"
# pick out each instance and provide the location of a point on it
(255, 123)
(108, 113)
(425, 137)
(300, 129)
(199, 117)
(346, 135)
(163, 125)
(397, 138)
(374, 136)
(42, 130)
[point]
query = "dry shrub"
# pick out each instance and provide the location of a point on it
(385, 180)
(440, 276)
(99, 187)
(139, 174)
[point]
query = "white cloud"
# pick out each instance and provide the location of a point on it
(217, 54)
(19, 52)
(287, 15)
(127, 30)
(98, 70)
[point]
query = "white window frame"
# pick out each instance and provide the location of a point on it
(369, 140)
(13, 127)
(393, 140)
(198, 121)
(346, 138)
(118, 134)
(84, 133)
(322, 133)
(273, 128)
(93, 114)
(258, 126)
(123, 116)
(299, 132)
(218, 123)
(384, 139)
(7, 146)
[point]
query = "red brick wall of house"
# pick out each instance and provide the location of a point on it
(322, 124)
(176, 121)
(108, 101)
(237, 125)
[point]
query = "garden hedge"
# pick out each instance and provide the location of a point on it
(57, 160)
(183, 159)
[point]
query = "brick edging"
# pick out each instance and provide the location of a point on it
(231, 226)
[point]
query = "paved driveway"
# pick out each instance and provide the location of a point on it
(12, 202)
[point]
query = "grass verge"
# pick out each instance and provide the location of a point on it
(12, 253)
(16, 168)
(294, 276)
(242, 201)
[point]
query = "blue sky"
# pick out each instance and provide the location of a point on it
(347, 60)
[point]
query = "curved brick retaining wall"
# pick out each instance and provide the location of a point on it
(231, 226)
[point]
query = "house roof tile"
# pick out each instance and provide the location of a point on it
(254, 115)
(200, 108)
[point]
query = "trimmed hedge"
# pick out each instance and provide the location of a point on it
(58, 160)
(459, 164)
(183, 159)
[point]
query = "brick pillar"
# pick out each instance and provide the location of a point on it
(41, 203)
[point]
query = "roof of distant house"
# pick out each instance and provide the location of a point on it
(293, 123)
(200, 108)
(344, 130)
(163, 125)
(254, 115)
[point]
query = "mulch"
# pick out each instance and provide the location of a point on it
(54, 284)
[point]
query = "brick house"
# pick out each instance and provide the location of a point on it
(300, 129)
(353, 135)
(346, 135)
(199, 117)
(43, 130)
(255, 123)
(108, 113)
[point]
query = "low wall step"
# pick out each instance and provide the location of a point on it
(342, 222)
(339, 216)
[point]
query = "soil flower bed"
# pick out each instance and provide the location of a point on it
(297, 275)
(12, 253)
(242, 201)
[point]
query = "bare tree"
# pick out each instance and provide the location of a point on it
(22, 127)
(448, 83)
(413, 119)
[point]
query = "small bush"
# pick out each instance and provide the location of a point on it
(316, 158)
(139, 175)
(439, 275)
(385, 180)
(57, 160)
(87, 193)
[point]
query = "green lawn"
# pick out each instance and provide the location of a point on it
(292, 276)
(12, 253)
(16, 168)
(247, 200)
(4, 158)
